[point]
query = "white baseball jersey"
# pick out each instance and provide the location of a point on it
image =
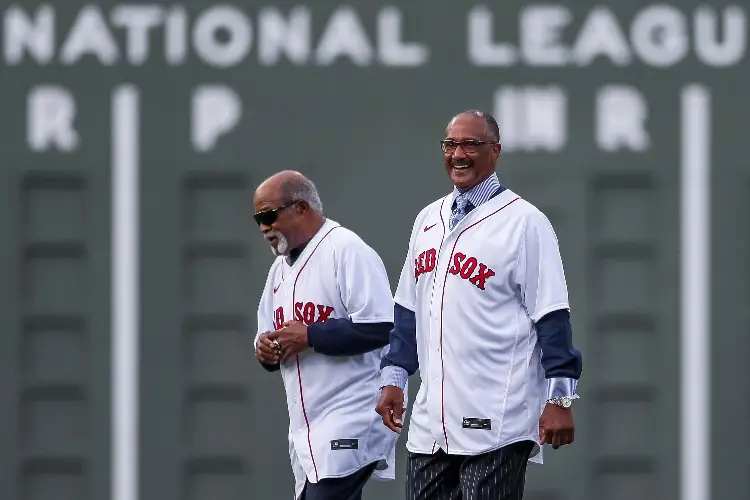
(476, 291)
(333, 427)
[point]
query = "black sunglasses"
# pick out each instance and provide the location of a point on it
(268, 217)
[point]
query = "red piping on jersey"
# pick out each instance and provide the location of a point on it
(442, 366)
(307, 422)
(441, 215)
(442, 238)
(442, 301)
(442, 221)
(299, 372)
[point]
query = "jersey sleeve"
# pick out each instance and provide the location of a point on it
(363, 284)
(265, 309)
(406, 291)
(540, 274)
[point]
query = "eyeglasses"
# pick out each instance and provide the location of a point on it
(268, 217)
(469, 146)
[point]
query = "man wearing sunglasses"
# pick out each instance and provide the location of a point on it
(482, 312)
(324, 319)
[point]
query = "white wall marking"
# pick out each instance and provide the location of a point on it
(125, 291)
(695, 297)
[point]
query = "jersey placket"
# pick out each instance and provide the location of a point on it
(437, 362)
(291, 373)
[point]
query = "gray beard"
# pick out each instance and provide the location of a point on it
(282, 247)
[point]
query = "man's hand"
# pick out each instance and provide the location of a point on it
(292, 339)
(391, 407)
(265, 350)
(556, 426)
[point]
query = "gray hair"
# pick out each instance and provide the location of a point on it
(301, 189)
(492, 128)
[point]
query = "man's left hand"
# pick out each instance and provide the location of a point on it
(292, 338)
(556, 426)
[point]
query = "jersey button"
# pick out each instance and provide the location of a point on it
(294, 401)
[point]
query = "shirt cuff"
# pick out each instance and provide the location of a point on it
(393, 375)
(560, 387)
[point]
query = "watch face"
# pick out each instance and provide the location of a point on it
(566, 402)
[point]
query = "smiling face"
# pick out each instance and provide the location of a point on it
(469, 150)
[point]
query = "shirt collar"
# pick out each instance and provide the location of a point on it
(296, 252)
(481, 192)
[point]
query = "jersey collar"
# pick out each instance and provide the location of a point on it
(324, 229)
(480, 193)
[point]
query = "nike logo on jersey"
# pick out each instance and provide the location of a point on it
(427, 228)
(306, 312)
(425, 263)
(276, 288)
(471, 269)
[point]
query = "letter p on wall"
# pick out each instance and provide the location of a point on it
(216, 111)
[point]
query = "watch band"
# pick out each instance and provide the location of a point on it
(562, 402)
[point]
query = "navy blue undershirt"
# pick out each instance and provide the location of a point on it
(341, 336)
(559, 358)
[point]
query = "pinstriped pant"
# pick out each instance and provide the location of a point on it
(496, 475)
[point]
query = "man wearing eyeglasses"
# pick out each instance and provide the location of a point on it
(482, 311)
(324, 319)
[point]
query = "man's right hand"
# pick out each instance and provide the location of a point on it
(391, 407)
(265, 350)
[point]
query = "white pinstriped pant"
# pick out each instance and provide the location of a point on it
(496, 475)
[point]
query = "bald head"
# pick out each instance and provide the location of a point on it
(290, 187)
(288, 211)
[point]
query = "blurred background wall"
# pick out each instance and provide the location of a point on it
(133, 136)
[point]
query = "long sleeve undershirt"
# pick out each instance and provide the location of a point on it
(342, 337)
(562, 363)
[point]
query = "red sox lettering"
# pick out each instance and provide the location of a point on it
(466, 267)
(425, 263)
(306, 312)
(469, 268)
